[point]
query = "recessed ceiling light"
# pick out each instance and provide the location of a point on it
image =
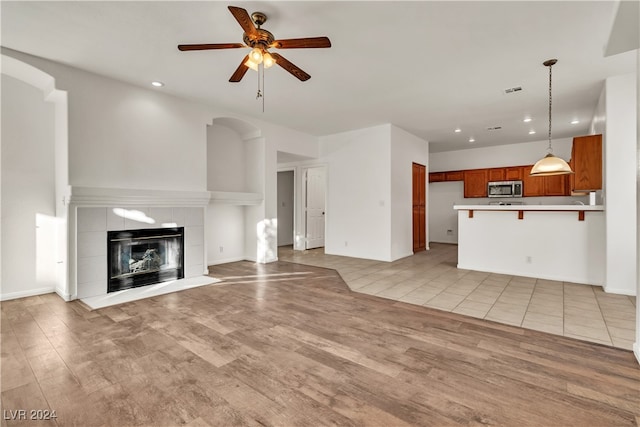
(157, 84)
(527, 119)
(575, 122)
(531, 132)
(458, 130)
(472, 140)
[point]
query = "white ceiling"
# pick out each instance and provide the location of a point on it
(425, 66)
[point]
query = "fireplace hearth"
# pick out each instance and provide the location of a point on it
(144, 257)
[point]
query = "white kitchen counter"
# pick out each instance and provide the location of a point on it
(572, 208)
(555, 242)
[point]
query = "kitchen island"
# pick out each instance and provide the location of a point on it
(554, 242)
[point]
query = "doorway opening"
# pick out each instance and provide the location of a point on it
(286, 197)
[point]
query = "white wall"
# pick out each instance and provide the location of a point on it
(225, 159)
(225, 233)
(526, 153)
(406, 149)
(620, 186)
(358, 193)
(285, 207)
(443, 195)
(442, 217)
(28, 191)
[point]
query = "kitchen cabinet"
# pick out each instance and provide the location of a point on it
(436, 177)
(454, 176)
(513, 173)
(554, 185)
(586, 162)
(496, 174)
(475, 183)
(446, 176)
(532, 186)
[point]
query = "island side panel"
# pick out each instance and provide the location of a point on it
(544, 245)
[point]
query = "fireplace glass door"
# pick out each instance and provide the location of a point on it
(143, 257)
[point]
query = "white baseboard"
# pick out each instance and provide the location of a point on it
(618, 291)
(227, 260)
(636, 351)
(28, 293)
(63, 295)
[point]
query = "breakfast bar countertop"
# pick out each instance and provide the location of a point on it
(571, 208)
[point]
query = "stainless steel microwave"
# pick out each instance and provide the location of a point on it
(504, 189)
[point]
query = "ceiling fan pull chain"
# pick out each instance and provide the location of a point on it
(262, 86)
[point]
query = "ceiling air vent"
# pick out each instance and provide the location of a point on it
(513, 89)
(495, 128)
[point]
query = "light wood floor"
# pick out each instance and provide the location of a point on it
(287, 344)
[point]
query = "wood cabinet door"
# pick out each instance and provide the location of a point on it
(586, 162)
(497, 174)
(475, 183)
(418, 174)
(556, 185)
(436, 176)
(454, 176)
(532, 185)
(513, 173)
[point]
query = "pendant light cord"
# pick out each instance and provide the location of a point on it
(549, 149)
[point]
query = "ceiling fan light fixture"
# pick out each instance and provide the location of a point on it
(268, 60)
(251, 64)
(256, 55)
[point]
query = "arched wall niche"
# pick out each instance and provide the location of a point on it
(52, 271)
(236, 182)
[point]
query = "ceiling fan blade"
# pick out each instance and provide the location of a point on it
(304, 43)
(185, 47)
(290, 67)
(240, 71)
(243, 18)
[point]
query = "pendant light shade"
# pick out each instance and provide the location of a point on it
(550, 164)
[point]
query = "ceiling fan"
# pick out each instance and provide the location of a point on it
(260, 41)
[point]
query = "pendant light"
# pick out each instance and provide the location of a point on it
(550, 164)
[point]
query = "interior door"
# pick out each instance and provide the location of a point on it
(315, 207)
(419, 207)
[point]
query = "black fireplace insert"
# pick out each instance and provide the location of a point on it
(144, 257)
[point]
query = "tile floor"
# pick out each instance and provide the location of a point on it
(431, 279)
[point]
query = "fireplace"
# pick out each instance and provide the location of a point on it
(144, 257)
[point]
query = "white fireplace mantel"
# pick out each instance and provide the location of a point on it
(96, 196)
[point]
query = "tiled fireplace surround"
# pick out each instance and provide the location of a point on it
(97, 211)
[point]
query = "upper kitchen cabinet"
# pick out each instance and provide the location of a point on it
(532, 185)
(554, 185)
(513, 173)
(586, 162)
(496, 174)
(446, 176)
(475, 183)
(436, 176)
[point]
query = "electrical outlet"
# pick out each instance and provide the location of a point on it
(528, 259)
(346, 243)
(221, 249)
